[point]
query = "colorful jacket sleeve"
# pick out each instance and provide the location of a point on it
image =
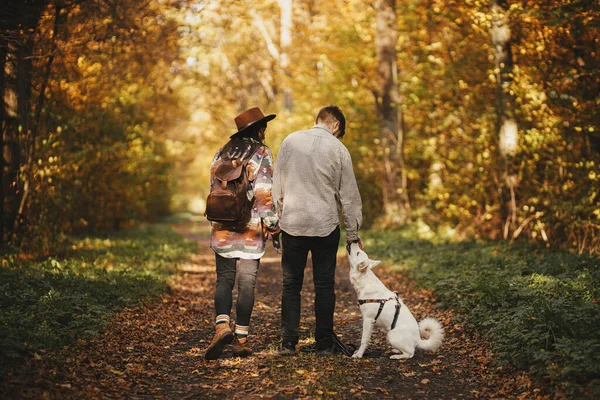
(262, 161)
(213, 166)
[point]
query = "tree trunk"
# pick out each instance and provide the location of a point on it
(2, 117)
(395, 194)
(24, 72)
(10, 138)
(507, 128)
(17, 79)
(32, 133)
(285, 46)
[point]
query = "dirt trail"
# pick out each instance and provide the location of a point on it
(156, 351)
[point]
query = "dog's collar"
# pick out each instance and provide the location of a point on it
(381, 304)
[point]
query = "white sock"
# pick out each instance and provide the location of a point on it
(222, 319)
(241, 332)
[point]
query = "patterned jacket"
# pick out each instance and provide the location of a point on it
(249, 242)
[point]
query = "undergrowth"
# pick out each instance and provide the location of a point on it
(50, 303)
(539, 307)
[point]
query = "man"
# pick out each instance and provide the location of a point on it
(313, 182)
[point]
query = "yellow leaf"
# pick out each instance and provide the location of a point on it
(114, 371)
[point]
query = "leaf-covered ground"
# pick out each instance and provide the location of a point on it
(156, 351)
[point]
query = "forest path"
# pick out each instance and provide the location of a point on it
(156, 351)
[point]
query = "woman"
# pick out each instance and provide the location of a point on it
(238, 249)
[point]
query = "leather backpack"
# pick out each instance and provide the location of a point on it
(231, 195)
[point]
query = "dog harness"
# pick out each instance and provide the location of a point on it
(381, 304)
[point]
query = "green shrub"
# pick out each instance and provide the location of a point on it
(53, 302)
(538, 306)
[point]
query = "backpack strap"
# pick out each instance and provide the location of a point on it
(235, 155)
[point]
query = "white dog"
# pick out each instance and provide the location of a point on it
(382, 307)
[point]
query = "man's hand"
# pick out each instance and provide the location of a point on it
(276, 237)
(359, 241)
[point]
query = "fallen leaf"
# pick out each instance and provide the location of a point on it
(116, 372)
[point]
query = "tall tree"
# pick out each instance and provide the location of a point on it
(3, 110)
(507, 129)
(32, 131)
(286, 45)
(17, 50)
(395, 194)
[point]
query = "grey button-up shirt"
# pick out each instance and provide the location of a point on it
(313, 181)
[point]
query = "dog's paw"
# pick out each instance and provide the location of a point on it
(357, 355)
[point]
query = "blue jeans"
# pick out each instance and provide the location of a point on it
(294, 255)
(228, 270)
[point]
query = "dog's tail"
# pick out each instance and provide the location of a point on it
(432, 334)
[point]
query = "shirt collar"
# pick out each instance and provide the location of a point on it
(323, 127)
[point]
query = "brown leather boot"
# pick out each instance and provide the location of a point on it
(223, 336)
(241, 349)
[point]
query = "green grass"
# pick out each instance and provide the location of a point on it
(50, 303)
(539, 307)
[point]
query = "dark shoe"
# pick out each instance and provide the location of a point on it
(223, 336)
(312, 348)
(241, 349)
(287, 349)
(329, 351)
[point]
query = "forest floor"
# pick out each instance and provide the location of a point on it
(156, 350)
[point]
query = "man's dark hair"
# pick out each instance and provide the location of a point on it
(331, 114)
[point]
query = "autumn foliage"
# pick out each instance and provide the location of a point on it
(112, 110)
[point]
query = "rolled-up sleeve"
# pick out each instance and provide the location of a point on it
(350, 199)
(263, 185)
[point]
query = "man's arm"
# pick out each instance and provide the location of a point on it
(350, 199)
(277, 191)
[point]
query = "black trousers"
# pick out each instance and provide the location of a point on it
(228, 271)
(294, 255)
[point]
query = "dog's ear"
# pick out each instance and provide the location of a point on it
(374, 263)
(363, 266)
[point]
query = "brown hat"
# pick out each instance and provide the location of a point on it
(250, 117)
